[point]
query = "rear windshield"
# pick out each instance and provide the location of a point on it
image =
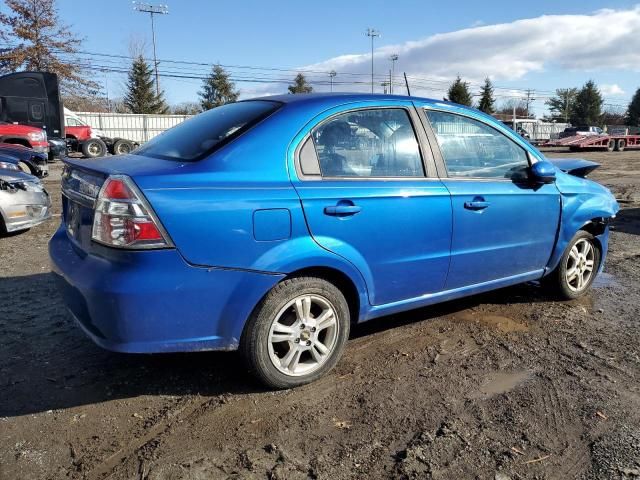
(197, 137)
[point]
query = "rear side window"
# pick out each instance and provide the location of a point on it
(197, 137)
(368, 143)
(473, 149)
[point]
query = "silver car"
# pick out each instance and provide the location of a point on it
(24, 203)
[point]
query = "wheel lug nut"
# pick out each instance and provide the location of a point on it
(313, 329)
(308, 343)
(302, 326)
(297, 340)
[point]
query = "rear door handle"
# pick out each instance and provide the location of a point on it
(476, 205)
(342, 210)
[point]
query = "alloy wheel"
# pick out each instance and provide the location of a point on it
(303, 335)
(580, 265)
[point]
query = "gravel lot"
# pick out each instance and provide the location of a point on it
(503, 385)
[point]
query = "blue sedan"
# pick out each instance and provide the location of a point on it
(271, 225)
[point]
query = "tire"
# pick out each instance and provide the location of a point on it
(122, 147)
(283, 314)
(621, 144)
(557, 282)
(611, 146)
(93, 148)
(24, 167)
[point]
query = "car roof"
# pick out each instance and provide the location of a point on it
(344, 97)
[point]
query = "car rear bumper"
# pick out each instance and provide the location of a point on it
(153, 301)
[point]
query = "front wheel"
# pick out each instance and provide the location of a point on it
(297, 333)
(24, 167)
(577, 269)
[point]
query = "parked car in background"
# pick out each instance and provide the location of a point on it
(24, 203)
(57, 149)
(28, 160)
(264, 226)
(583, 130)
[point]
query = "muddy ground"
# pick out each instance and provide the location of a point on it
(503, 385)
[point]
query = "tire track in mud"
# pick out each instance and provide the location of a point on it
(143, 448)
(109, 465)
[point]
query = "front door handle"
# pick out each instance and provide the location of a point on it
(341, 210)
(476, 205)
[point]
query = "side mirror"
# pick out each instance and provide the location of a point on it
(543, 172)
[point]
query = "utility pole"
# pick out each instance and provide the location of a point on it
(566, 106)
(372, 33)
(530, 99)
(153, 10)
(106, 88)
(332, 74)
(394, 59)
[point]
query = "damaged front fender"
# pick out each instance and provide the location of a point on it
(586, 205)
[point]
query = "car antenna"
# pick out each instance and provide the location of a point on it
(406, 82)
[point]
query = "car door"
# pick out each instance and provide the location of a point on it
(504, 226)
(366, 197)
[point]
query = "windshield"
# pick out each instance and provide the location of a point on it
(197, 137)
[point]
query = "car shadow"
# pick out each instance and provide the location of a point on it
(47, 363)
(628, 221)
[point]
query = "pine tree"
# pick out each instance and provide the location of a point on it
(562, 103)
(141, 96)
(459, 93)
(300, 85)
(487, 101)
(587, 109)
(42, 42)
(633, 112)
(217, 89)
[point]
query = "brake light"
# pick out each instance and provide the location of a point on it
(124, 219)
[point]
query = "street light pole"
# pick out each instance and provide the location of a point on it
(394, 59)
(153, 10)
(332, 74)
(372, 33)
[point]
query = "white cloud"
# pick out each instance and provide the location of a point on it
(604, 40)
(612, 90)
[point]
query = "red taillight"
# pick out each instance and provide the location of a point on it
(117, 190)
(124, 219)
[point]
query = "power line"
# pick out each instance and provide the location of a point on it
(171, 68)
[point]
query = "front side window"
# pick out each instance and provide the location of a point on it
(475, 150)
(368, 143)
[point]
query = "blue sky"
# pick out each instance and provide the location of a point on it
(436, 41)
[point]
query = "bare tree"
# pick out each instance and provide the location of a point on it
(38, 40)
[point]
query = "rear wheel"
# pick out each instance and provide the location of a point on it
(611, 146)
(577, 269)
(297, 333)
(621, 145)
(93, 148)
(122, 147)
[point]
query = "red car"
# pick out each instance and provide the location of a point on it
(32, 137)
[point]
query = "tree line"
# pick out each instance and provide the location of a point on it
(38, 40)
(578, 106)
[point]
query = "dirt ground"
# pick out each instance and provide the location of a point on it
(506, 385)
